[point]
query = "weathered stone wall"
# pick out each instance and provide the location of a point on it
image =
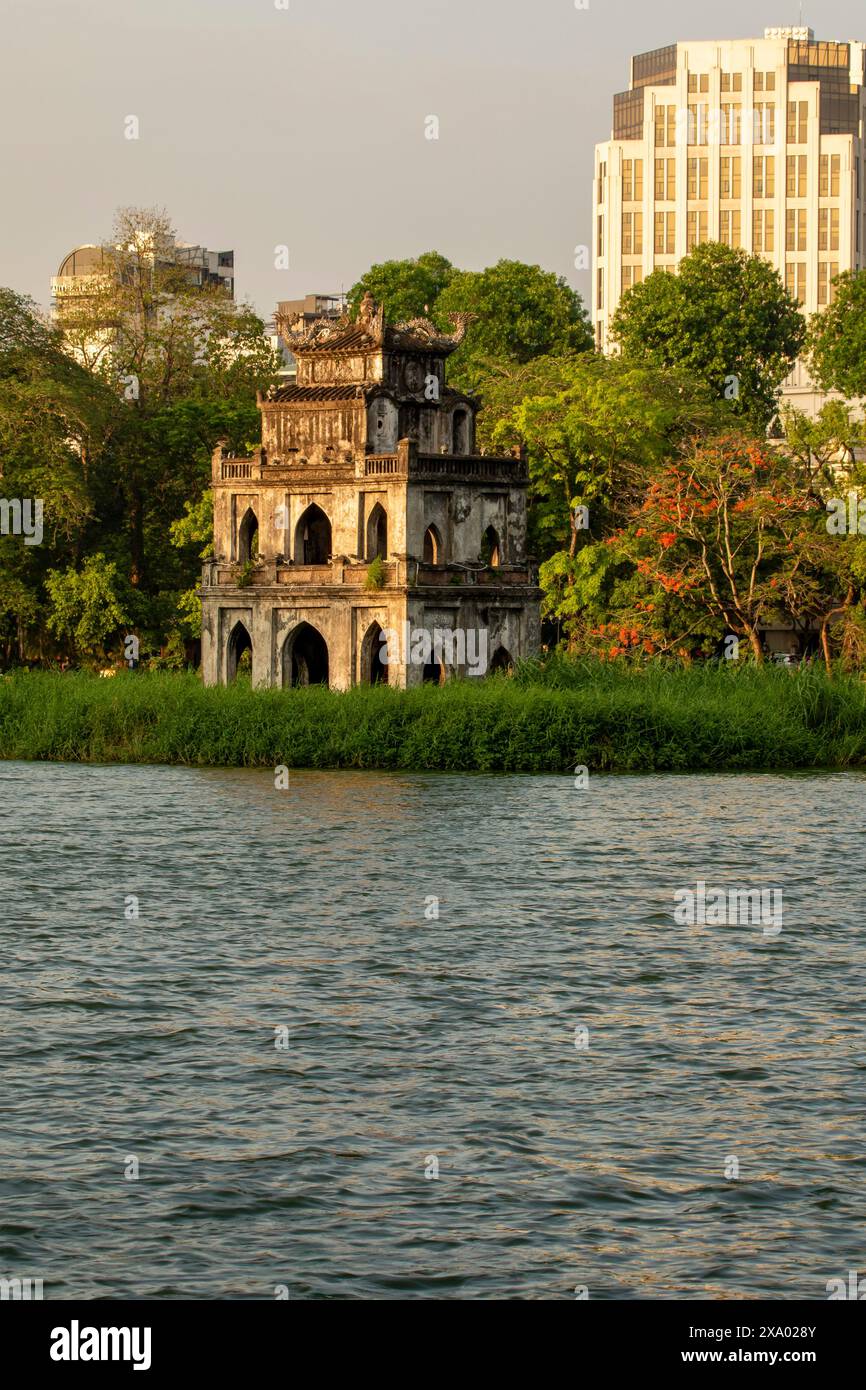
(280, 506)
(292, 432)
(461, 514)
(272, 619)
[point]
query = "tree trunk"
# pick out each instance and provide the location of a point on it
(825, 646)
(136, 519)
(757, 649)
(825, 629)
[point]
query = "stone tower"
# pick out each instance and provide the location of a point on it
(366, 540)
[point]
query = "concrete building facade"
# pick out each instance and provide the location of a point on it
(753, 142)
(367, 523)
(80, 272)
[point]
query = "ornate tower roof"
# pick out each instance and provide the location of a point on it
(370, 332)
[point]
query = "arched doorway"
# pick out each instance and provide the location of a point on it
(432, 547)
(248, 537)
(239, 644)
(377, 533)
(305, 657)
(501, 661)
(313, 538)
(459, 433)
(490, 548)
(374, 671)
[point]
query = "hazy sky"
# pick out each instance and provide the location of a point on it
(305, 126)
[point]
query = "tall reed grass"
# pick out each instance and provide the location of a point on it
(547, 718)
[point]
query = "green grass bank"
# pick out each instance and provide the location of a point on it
(549, 719)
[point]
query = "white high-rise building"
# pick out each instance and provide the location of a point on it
(753, 142)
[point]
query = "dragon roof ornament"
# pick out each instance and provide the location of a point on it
(370, 331)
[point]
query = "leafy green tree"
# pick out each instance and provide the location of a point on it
(591, 441)
(193, 531)
(54, 421)
(836, 342)
(822, 443)
(523, 312)
(408, 289)
(504, 385)
(86, 606)
(726, 317)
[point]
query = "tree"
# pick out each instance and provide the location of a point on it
(86, 606)
(408, 289)
(54, 419)
(523, 312)
(591, 442)
(836, 342)
(822, 444)
(193, 530)
(179, 357)
(505, 385)
(724, 316)
(725, 529)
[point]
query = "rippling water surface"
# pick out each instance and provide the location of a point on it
(415, 1040)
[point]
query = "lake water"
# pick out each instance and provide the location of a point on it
(414, 1041)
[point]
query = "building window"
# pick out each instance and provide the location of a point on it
(248, 537)
(796, 182)
(632, 233)
(600, 236)
(798, 119)
(602, 175)
(828, 229)
(599, 282)
(631, 275)
(765, 82)
(665, 188)
(697, 178)
(699, 82)
(730, 186)
(762, 229)
(666, 126)
(632, 180)
(377, 533)
(827, 272)
(729, 232)
(795, 280)
(665, 233)
(764, 123)
(730, 128)
(313, 537)
(432, 549)
(795, 229)
(764, 176)
(732, 82)
(491, 550)
(696, 229)
(697, 123)
(828, 176)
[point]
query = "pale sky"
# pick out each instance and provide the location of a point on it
(305, 127)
